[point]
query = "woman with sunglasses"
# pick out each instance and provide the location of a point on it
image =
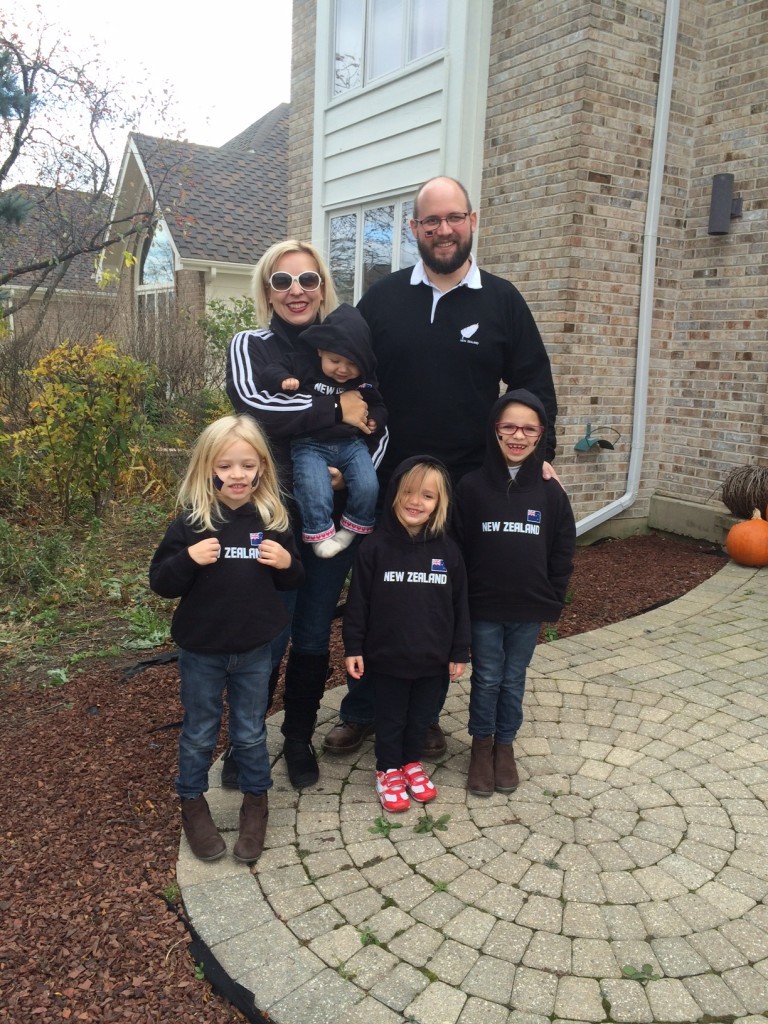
(292, 289)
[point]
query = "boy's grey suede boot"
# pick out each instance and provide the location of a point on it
(253, 827)
(480, 779)
(202, 835)
(505, 770)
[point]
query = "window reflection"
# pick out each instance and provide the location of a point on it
(378, 234)
(368, 243)
(428, 20)
(343, 245)
(409, 251)
(385, 37)
(157, 262)
(377, 39)
(348, 60)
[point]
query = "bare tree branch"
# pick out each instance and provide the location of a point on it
(56, 117)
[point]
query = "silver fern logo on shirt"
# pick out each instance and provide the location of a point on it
(467, 333)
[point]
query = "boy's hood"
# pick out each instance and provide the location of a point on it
(495, 464)
(345, 332)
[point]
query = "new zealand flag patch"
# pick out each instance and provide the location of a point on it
(256, 539)
(438, 565)
(533, 516)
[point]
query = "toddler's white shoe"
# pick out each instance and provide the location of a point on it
(390, 785)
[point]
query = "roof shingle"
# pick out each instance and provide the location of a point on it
(224, 204)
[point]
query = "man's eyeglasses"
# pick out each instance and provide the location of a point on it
(309, 281)
(433, 223)
(510, 429)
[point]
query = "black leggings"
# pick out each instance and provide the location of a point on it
(405, 708)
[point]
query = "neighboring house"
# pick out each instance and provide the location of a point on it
(588, 136)
(218, 209)
(53, 304)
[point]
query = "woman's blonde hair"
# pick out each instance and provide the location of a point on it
(198, 495)
(265, 268)
(413, 479)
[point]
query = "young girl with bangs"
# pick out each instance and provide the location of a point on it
(406, 624)
(517, 533)
(226, 556)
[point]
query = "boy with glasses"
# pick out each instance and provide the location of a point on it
(517, 534)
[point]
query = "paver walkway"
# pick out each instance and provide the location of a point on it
(639, 837)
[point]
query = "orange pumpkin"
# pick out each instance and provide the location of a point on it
(747, 542)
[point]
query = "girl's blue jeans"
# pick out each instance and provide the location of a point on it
(204, 680)
(501, 653)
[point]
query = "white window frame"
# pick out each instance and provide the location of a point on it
(401, 255)
(366, 56)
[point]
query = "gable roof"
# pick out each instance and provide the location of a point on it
(224, 204)
(58, 221)
(267, 135)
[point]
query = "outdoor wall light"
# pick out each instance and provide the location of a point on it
(590, 441)
(722, 206)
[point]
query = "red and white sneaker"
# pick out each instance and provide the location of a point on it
(390, 785)
(419, 784)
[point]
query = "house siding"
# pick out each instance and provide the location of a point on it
(568, 139)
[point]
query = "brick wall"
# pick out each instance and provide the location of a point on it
(300, 149)
(569, 135)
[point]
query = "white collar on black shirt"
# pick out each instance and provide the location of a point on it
(470, 280)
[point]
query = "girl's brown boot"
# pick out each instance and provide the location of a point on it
(202, 835)
(504, 768)
(253, 828)
(480, 778)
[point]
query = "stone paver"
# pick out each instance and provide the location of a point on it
(638, 836)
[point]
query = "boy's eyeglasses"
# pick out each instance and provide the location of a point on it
(309, 281)
(510, 429)
(433, 223)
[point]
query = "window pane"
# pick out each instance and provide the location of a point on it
(428, 18)
(385, 37)
(409, 251)
(378, 234)
(348, 57)
(343, 239)
(157, 263)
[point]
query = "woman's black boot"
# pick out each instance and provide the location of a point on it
(305, 679)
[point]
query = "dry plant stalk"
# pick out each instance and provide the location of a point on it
(745, 489)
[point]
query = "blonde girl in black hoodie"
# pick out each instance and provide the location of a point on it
(406, 624)
(226, 557)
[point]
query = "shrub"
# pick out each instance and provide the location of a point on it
(86, 413)
(222, 322)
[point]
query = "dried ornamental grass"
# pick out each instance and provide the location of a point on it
(745, 489)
